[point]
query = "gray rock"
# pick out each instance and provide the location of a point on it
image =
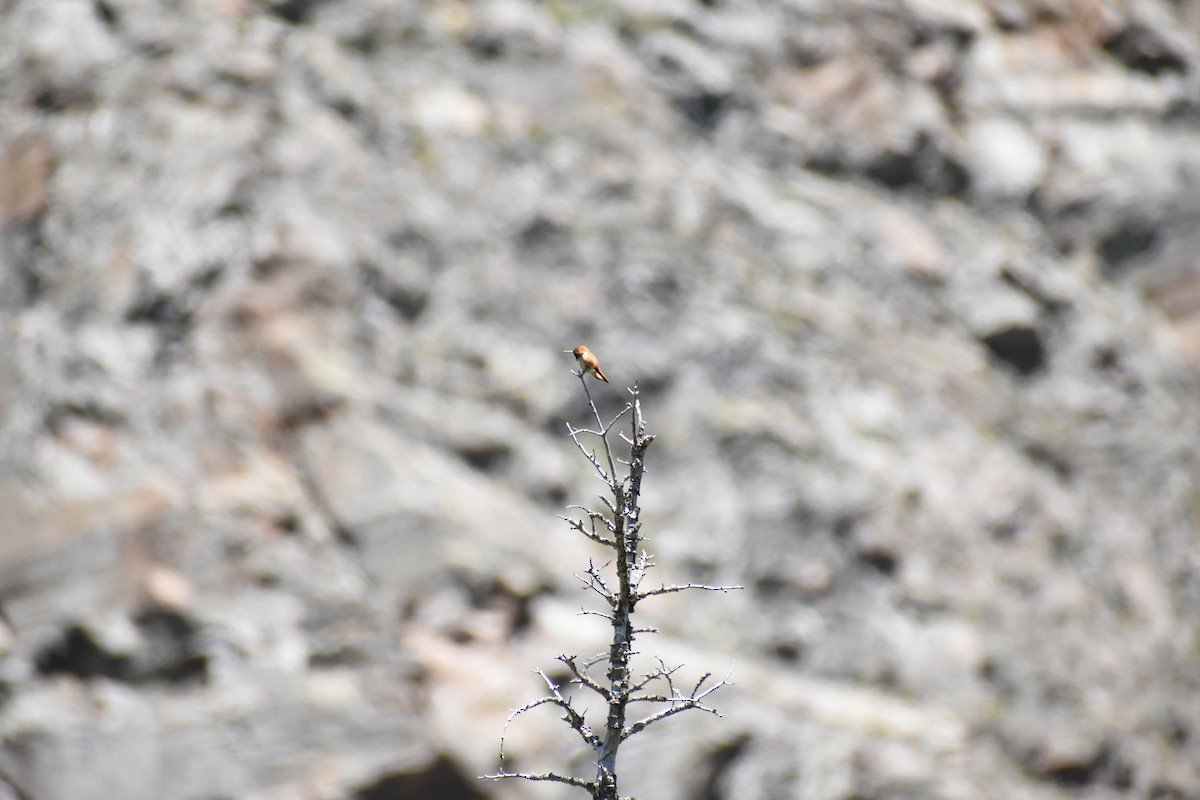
(907, 290)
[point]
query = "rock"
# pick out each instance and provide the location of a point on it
(909, 244)
(1007, 161)
(906, 290)
(24, 173)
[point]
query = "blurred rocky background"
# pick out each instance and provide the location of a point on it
(910, 288)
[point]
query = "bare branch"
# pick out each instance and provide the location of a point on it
(598, 589)
(628, 407)
(541, 701)
(617, 527)
(684, 586)
(591, 455)
(663, 672)
(595, 582)
(585, 679)
(611, 478)
(543, 776)
(570, 715)
(608, 504)
(593, 517)
(594, 660)
(646, 722)
(577, 525)
(592, 403)
(679, 704)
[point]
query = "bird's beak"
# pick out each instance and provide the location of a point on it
(568, 351)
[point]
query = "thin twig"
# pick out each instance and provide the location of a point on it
(585, 679)
(680, 704)
(593, 516)
(595, 537)
(570, 715)
(684, 587)
(595, 582)
(541, 701)
(628, 407)
(587, 612)
(543, 776)
(612, 469)
(663, 672)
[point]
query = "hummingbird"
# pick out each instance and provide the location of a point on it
(587, 361)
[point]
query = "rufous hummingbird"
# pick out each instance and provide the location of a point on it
(587, 361)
